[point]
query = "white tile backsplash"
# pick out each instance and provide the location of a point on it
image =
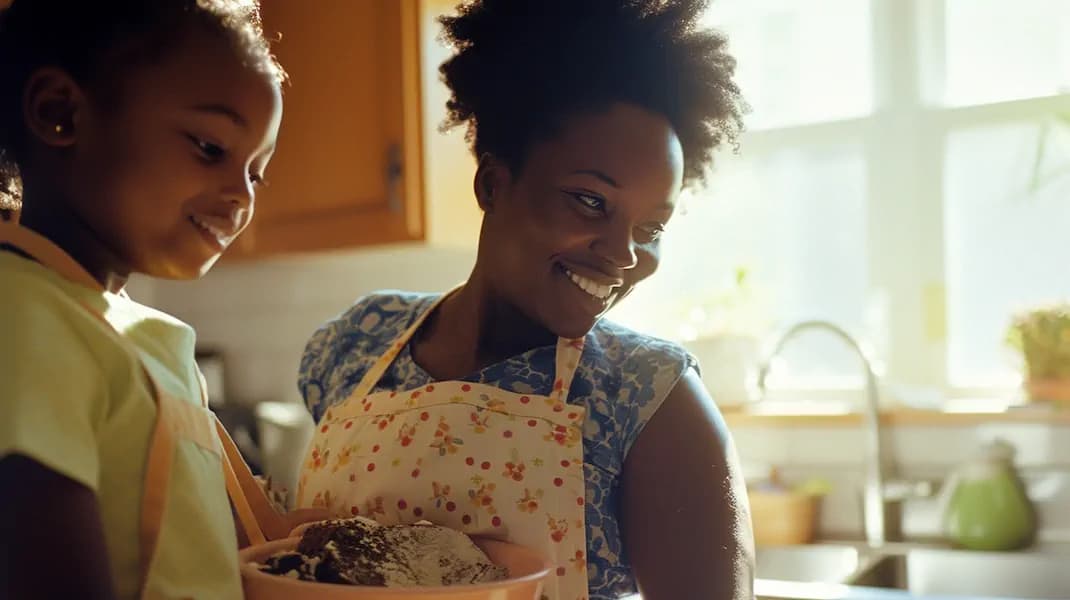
(261, 314)
(761, 446)
(1036, 444)
(824, 446)
(932, 446)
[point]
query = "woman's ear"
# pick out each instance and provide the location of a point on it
(491, 181)
(52, 105)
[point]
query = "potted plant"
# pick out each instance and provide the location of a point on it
(1042, 336)
(1042, 172)
(723, 329)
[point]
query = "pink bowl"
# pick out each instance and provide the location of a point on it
(526, 573)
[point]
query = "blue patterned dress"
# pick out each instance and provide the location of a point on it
(622, 379)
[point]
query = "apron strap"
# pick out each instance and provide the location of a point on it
(157, 482)
(256, 513)
(566, 359)
(46, 253)
(375, 373)
(246, 518)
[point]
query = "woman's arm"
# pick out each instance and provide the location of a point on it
(686, 523)
(51, 537)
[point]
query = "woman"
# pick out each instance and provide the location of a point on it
(510, 407)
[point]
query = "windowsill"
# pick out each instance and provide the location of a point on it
(833, 416)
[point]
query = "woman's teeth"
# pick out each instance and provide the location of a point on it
(602, 292)
(215, 232)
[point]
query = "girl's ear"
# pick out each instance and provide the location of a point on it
(52, 105)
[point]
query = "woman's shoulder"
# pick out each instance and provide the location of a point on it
(620, 347)
(382, 309)
(345, 346)
(626, 376)
(372, 320)
(379, 314)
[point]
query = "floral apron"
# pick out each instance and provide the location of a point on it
(176, 420)
(469, 456)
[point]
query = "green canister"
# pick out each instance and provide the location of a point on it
(989, 508)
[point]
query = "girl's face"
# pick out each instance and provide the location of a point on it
(578, 226)
(165, 177)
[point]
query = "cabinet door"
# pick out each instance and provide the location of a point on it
(347, 171)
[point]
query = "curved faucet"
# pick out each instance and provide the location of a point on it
(873, 496)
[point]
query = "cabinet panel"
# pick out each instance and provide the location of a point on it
(347, 170)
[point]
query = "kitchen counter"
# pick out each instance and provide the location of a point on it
(766, 589)
(758, 416)
(792, 590)
(847, 570)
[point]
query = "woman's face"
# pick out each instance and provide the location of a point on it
(576, 228)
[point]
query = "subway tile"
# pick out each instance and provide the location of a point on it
(942, 446)
(766, 446)
(825, 445)
(1034, 443)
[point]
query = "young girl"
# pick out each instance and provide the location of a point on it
(133, 135)
(509, 407)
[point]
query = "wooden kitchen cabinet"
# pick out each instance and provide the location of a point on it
(347, 171)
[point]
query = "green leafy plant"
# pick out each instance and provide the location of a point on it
(732, 308)
(1040, 177)
(1042, 336)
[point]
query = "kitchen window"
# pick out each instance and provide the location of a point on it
(905, 174)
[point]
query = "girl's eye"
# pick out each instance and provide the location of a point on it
(209, 151)
(257, 180)
(591, 203)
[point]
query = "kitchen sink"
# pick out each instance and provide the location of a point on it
(826, 571)
(816, 563)
(964, 573)
(814, 571)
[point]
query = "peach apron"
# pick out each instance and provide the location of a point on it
(176, 420)
(469, 456)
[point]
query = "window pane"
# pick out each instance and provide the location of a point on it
(796, 219)
(1006, 218)
(1005, 50)
(799, 62)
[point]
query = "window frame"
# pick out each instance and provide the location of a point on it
(903, 140)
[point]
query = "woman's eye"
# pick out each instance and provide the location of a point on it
(650, 233)
(589, 202)
(209, 151)
(257, 180)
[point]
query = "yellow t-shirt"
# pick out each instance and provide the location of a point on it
(74, 398)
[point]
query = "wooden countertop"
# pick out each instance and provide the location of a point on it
(911, 417)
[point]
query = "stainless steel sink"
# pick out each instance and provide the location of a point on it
(817, 563)
(963, 573)
(821, 569)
